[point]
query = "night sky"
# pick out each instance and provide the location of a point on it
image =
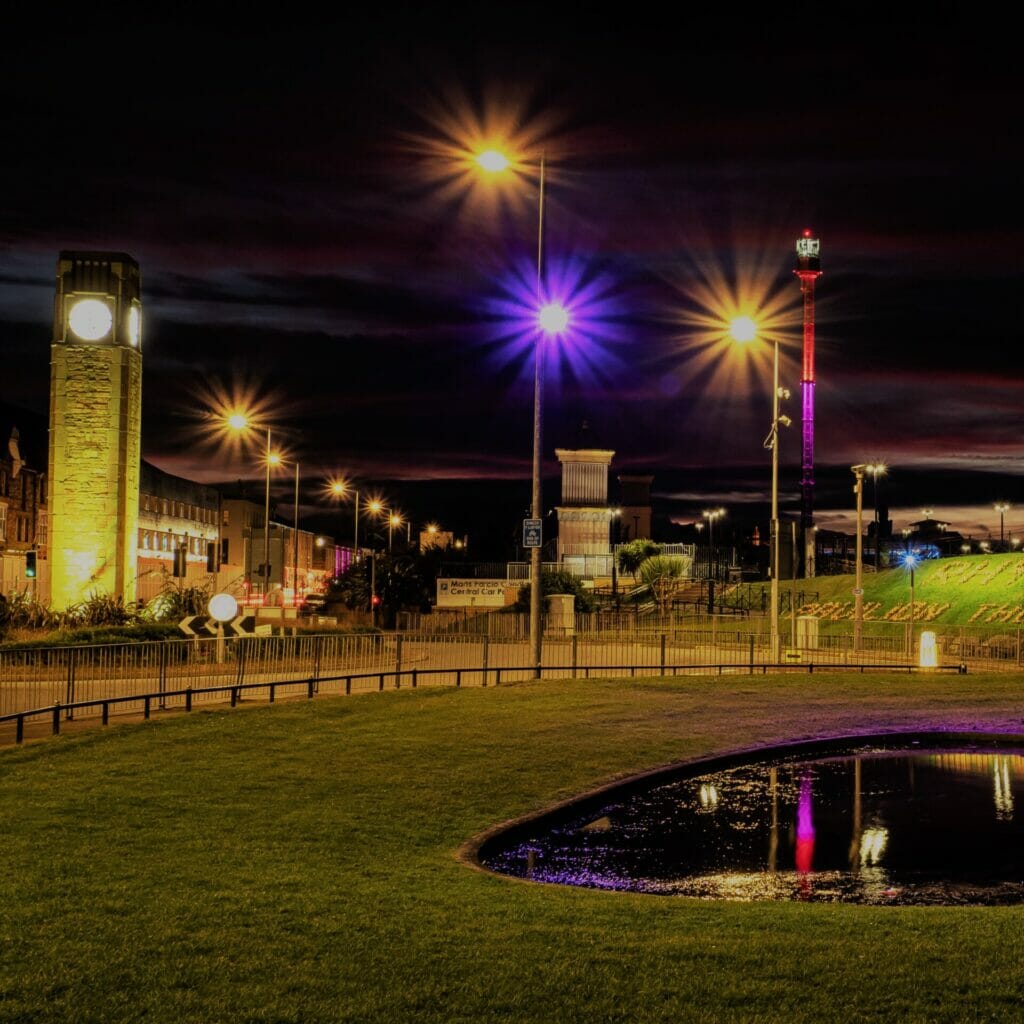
(310, 240)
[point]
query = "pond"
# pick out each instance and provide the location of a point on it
(924, 819)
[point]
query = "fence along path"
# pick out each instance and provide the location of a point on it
(42, 677)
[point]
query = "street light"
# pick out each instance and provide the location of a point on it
(910, 561)
(711, 514)
(552, 318)
(1001, 507)
(875, 470)
(339, 488)
(858, 589)
(240, 422)
(743, 329)
(394, 519)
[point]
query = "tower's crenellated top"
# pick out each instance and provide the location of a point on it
(98, 300)
(808, 254)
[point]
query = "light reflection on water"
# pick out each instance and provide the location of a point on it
(874, 826)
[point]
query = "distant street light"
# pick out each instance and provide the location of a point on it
(1001, 507)
(711, 514)
(910, 561)
(858, 588)
(743, 329)
(339, 488)
(875, 470)
(239, 422)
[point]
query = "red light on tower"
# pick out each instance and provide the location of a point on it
(808, 269)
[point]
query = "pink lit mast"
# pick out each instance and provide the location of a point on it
(808, 269)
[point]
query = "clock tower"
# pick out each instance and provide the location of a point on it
(95, 427)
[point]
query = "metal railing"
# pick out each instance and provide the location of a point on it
(69, 676)
(312, 686)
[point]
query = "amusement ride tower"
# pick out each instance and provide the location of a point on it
(808, 269)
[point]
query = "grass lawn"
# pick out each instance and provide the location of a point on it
(298, 863)
(976, 589)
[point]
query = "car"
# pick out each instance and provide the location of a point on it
(313, 604)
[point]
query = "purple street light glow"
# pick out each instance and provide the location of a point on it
(577, 309)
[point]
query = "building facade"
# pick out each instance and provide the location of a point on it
(22, 517)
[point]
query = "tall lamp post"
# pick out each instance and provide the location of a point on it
(339, 489)
(858, 587)
(910, 562)
(552, 319)
(711, 514)
(295, 543)
(875, 470)
(1001, 507)
(239, 422)
(743, 329)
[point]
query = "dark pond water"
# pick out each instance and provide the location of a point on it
(924, 824)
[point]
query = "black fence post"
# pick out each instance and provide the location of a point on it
(243, 651)
(574, 639)
(486, 657)
(145, 707)
(662, 653)
(19, 729)
(348, 685)
(188, 698)
(318, 651)
(414, 671)
(310, 688)
(162, 659)
(398, 660)
(69, 696)
(56, 718)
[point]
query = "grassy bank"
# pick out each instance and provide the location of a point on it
(979, 590)
(297, 863)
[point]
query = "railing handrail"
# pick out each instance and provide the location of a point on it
(312, 682)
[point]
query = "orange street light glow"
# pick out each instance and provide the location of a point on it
(493, 161)
(743, 329)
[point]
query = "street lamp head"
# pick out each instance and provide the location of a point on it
(553, 318)
(493, 161)
(742, 329)
(237, 421)
(910, 560)
(1002, 506)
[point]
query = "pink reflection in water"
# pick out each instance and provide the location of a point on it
(804, 836)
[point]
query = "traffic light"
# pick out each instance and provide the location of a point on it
(30, 565)
(180, 555)
(211, 557)
(376, 600)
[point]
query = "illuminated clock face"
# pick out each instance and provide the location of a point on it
(90, 319)
(134, 325)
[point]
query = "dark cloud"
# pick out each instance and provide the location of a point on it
(295, 238)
